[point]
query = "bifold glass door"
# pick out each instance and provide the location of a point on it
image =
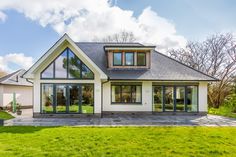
(175, 98)
(67, 98)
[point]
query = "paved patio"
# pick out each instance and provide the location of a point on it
(124, 120)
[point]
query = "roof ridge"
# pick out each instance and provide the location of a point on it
(100, 42)
(186, 65)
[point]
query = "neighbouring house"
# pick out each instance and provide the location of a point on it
(84, 78)
(15, 83)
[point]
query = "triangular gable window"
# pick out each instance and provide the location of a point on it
(67, 66)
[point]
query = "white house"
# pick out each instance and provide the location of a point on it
(90, 78)
(14, 83)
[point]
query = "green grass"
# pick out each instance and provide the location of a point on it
(222, 111)
(73, 108)
(5, 115)
(118, 142)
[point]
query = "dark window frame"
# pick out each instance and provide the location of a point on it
(121, 102)
(67, 68)
(67, 94)
(133, 58)
(174, 94)
(121, 58)
(145, 58)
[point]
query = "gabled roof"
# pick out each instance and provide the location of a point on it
(15, 78)
(64, 39)
(163, 68)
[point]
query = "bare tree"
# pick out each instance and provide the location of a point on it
(121, 37)
(216, 56)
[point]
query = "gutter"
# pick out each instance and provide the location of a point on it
(108, 79)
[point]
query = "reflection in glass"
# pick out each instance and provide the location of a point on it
(192, 99)
(74, 98)
(48, 72)
(87, 99)
(158, 98)
(116, 94)
(117, 60)
(47, 98)
(180, 96)
(61, 98)
(126, 94)
(74, 65)
(129, 58)
(136, 94)
(86, 72)
(169, 98)
(61, 66)
(141, 59)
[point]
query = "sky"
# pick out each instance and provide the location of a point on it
(28, 28)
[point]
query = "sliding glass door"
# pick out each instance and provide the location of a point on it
(67, 98)
(175, 98)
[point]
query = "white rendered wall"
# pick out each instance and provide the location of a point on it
(1, 95)
(202, 97)
(146, 99)
(24, 95)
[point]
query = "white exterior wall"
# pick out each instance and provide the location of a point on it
(37, 81)
(202, 97)
(146, 99)
(24, 95)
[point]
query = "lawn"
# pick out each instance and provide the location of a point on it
(120, 141)
(5, 115)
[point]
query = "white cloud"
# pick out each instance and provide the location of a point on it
(18, 59)
(86, 20)
(2, 17)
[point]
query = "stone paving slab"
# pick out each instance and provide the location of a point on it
(126, 120)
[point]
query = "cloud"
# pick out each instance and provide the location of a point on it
(2, 17)
(87, 20)
(18, 59)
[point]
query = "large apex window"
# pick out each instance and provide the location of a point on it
(141, 59)
(67, 66)
(129, 58)
(117, 58)
(126, 93)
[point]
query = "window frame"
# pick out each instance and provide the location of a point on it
(67, 68)
(125, 58)
(174, 94)
(125, 103)
(121, 58)
(145, 58)
(67, 94)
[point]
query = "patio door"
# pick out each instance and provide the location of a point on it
(67, 98)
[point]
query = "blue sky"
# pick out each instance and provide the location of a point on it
(23, 32)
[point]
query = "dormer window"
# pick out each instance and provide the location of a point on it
(141, 59)
(129, 58)
(117, 58)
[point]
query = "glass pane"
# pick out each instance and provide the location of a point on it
(180, 96)
(74, 65)
(129, 58)
(169, 98)
(61, 66)
(87, 99)
(192, 103)
(141, 59)
(60, 98)
(48, 72)
(158, 98)
(74, 98)
(116, 91)
(86, 72)
(126, 94)
(117, 59)
(136, 94)
(47, 98)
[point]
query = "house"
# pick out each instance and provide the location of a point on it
(15, 83)
(89, 78)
